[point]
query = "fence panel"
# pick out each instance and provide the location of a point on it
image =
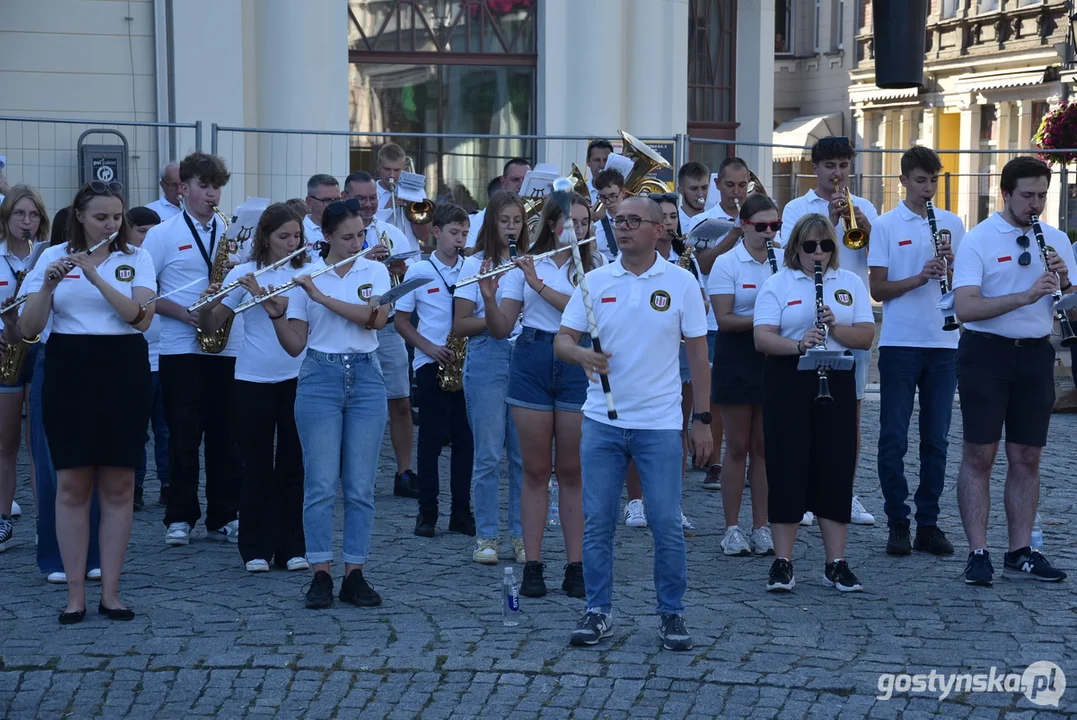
(43, 152)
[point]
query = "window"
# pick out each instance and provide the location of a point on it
(818, 24)
(837, 29)
(1039, 109)
(988, 124)
(783, 27)
(1023, 3)
(984, 6)
(711, 59)
(949, 9)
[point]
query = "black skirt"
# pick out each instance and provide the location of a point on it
(96, 399)
(737, 370)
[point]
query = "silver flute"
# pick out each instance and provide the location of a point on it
(293, 284)
(21, 299)
(202, 302)
(502, 269)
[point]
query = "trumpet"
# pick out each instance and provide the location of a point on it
(502, 269)
(202, 302)
(949, 322)
(854, 238)
(1065, 329)
(293, 284)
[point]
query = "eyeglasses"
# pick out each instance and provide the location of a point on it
(631, 222)
(610, 197)
(828, 142)
(1026, 257)
(775, 226)
(340, 206)
(22, 215)
(665, 197)
(100, 188)
(323, 200)
(809, 246)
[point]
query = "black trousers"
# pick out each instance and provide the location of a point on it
(200, 400)
(271, 501)
(810, 447)
(442, 414)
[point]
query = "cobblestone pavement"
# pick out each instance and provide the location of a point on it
(211, 640)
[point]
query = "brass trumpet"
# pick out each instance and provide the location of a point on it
(854, 238)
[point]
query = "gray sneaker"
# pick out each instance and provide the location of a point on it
(673, 634)
(734, 543)
(591, 628)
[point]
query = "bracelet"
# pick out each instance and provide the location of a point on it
(373, 317)
(1068, 286)
(278, 317)
(799, 350)
(541, 289)
(138, 318)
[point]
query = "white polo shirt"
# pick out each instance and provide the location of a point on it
(901, 242)
(988, 259)
(738, 274)
(641, 320)
(471, 266)
(8, 283)
(537, 312)
(433, 302)
(153, 342)
(329, 332)
(788, 301)
(178, 261)
(14, 262)
(385, 202)
(855, 261)
(476, 224)
(591, 192)
(397, 241)
(312, 233)
(164, 209)
(78, 307)
(261, 358)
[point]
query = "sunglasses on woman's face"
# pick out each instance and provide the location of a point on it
(100, 188)
(762, 226)
(809, 246)
(338, 207)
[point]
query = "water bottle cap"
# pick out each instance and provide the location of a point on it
(508, 571)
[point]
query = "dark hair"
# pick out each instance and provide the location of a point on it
(546, 240)
(489, 241)
(143, 216)
(59, 226)
(598, 145)
(208, 168)
(694, 170)
(493, 186)
(447, 213)
(7, 207)
(609, 177)
(274, 218)
(514, 161)
(809, 224)
(832, 148)
(1024, 166)
(331, 221)
(920, 158)
(358, 177)
(756, 203)
(76, 235)
(318, 180)
(731, 162)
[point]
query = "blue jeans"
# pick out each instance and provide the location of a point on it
(340, 413)
(486, 382)
(160, 435)
(48, 550)
(901, 371)
(604, 454)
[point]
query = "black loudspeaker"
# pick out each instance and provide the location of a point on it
(899, 28)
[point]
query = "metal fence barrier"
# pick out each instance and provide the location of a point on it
(44, 152)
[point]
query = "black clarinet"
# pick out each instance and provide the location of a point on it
(949, 322)
(823, 396)
(513, 252)
(1065, 329)
(771, 258)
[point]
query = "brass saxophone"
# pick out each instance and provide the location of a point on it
(684, 260)
(216, 341)
(13, 358)
(451, 376)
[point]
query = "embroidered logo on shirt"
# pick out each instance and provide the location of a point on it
(1005, 258)
(433, 290)
(609, 299)
(125, 273)
(660, 300)
(366, 291)
(844, 297)
(3, 282)
(902, 243)
(748, 286)
(72, 277)
(793, 302)
(185, 247)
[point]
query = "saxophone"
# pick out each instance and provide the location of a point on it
(216, 341)
(451, 376)
(13, 358)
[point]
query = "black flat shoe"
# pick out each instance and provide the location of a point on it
(70, 618)
(115, 613)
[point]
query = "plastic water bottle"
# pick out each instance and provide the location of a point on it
(510, 599)
(1037, 534)
(553, 517)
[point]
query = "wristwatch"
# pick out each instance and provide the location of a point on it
(703, 417)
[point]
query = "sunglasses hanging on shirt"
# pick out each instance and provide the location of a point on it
(1026, 257)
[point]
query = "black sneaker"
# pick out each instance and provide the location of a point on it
(463, 523)
(163, 498)
(139, 501)
(573, 584)
(930, 539)
(424, 525)
(673, 634)
(781, 576)
(839, 575)
(899, 542)
(533, 585)
(978, 569)
(1028, 564)
(7, 531)
(591, 628)
(320, 591)
(406, 484)
(357, 591)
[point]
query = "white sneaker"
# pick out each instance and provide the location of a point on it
(16, 511)
(762, 541)
(734, 542)
(94, 574)
(229, 532)
(634, 515)
(860, 516)
(486, 551)
(687, 527)
(257, 566)
(298, 563)
(56, 578)
(518, 550)
(178, 534)
(808, 519)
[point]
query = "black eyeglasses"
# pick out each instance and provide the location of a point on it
(828, 142)
(775, 226)
(665, 197)
(100, 188)
(632, 222)
(1026, 257)
(340, 206)
(809, 246)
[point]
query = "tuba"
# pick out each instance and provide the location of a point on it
(13, 359)
(533, 206)
(645, 161)
(216, 341)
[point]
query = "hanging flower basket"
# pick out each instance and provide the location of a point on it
(1058, 131)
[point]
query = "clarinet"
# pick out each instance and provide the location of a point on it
(949, 322)
(1067, 336)
(513, 252)
(770, 257)
(823, 395)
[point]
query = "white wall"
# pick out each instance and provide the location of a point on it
(755, 85)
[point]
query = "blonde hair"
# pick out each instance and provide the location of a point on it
(15, 194)
(812, 226)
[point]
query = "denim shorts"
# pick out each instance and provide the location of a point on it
(686, 371)
(539, 381)
(393, 358)
(712, 339)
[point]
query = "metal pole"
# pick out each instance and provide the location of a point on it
(198, 136)
(1064, 199)
(946, 186)
(213, 139)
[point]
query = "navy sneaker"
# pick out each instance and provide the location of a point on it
(1028, 564)
(978, 569)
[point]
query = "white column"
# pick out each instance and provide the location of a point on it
(967, 185)
(656, 92)
(755, 84)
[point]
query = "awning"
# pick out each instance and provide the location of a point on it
(999, 79)
(864, 94)
(801, 133)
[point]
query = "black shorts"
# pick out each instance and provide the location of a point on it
(1002, 384)
(737, 372)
